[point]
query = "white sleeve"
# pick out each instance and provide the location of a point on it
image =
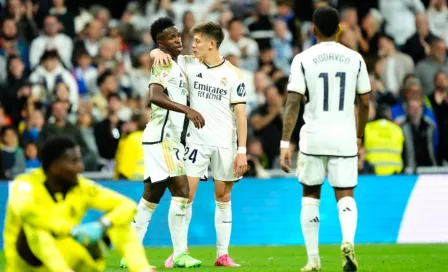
(363, 81)
(73, 89)
(296, 81)
(238, 91)
(418, 6)
(36, 52)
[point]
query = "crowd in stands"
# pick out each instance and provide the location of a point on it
(83, 69)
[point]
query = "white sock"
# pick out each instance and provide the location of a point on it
(348, 216)
(188, 214)
(223, 225)
(176, 222)
(142, 217)
(309, 219)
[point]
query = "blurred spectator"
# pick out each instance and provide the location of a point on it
(59, 125)
(31, 159)
(13, 159)
(438, 19)
(61, 94)
(199, 9)
(108, 131)
(260, 25)
(10, 44)
(286, 14)
(427, 68)
(235, 43)
(383, 143)
(349, 39)
(146, 45)
(261, 82)
(15, 92)
(102, 14)
(267, 65)
(51, 39)
(439, 102)
(417, 46)
(282, 46)
(48, 74)
(419, 132)
(107, 57)
(64, 16)
(267, 122)
(85, 124)
(400, 17)
(256, 159)
(140, 75)
(379, 93)
(368, 43)
(364, 167)
(123, 53)
(129, 155)
(22, 12)
(34, 126)
(107, 84)
(162, 8)
(85, 73)
(393, 65)
(91, 41)
(186, 35)
(412, 91)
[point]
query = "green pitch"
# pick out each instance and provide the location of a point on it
(372, 258)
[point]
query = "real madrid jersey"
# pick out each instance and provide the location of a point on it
(165, 123)
(330, 75)
(214, 90)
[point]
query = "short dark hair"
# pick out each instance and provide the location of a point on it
(233, 20)
(103, 77)
(112, 96)
(54, 148)
(212, 30)
(159, 26)
(326, 19)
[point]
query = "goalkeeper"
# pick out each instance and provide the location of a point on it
(45, 207)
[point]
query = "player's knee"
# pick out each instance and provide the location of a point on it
(182, 191)
(222, 196)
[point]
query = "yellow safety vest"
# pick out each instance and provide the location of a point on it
(129, 157)
(383, 142)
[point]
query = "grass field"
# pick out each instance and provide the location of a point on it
(406, 258)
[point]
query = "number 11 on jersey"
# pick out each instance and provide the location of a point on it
(341, 76)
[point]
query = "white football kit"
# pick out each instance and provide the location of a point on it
(162, 148)
(329, 75)
(213, 93)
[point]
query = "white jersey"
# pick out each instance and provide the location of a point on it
(164, 123)
(329, 75)
(213, 92)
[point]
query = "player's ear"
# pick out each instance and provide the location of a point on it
(211, 45)
(315, 32)
(338, 29)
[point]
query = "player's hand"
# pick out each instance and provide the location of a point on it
(195, 117)
(160, 57)
(240, 165)
(285, 159)
(88, 233)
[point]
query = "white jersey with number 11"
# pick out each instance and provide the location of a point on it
(329, 75)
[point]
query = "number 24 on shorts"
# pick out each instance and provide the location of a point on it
(191, 157)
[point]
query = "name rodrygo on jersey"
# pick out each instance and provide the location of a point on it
(330, 75)
(213, 93)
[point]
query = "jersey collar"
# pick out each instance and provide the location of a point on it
(211, 67)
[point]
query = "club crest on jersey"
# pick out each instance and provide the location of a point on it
(164, 75)
(223, 82)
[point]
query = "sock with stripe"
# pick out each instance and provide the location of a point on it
(348, 216)
(145, 209)
(176, 222)
(309, 219)
(223, 225)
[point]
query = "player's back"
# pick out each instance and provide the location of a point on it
(331, 73)
(165, 123)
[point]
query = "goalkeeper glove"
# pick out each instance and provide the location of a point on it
(90, 233)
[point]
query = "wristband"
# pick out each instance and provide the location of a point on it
(284, 144)
(105, 223)
(241, 150)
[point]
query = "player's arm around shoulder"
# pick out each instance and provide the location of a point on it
(119, 209)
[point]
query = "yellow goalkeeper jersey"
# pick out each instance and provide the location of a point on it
(34, 211)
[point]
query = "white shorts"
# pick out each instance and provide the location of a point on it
(164, 160)
(199, 157)
(342, 171)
